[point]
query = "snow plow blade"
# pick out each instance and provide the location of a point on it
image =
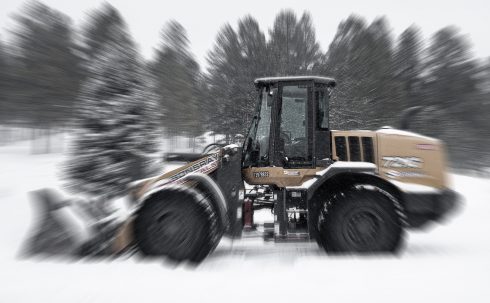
(71, 228)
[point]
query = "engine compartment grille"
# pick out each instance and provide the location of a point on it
(354, 148)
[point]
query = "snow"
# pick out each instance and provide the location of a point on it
(346, 164)
(339, 164)
(415, 188)
(448, 263)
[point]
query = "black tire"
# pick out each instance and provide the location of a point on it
(178, 223)
(360, 221)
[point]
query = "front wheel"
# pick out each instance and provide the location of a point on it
(179, 224)
(360, 221)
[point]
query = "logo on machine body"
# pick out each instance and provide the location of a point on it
(394, 174)
(396, 162)
(402, 162)
(204, 166)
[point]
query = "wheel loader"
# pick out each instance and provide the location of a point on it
(353, 192)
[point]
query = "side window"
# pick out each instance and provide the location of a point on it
(263, 127)
(292, 136)
(321, 99)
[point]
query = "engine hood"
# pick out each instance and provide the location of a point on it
(400, 156)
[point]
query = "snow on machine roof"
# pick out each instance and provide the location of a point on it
(319, 79)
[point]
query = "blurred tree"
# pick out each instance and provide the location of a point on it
(307, 48)
(484, 111)
(360, 57)
(236, 60)
(293, 47)
(118, 125)
(47, 75)
(178, 76)
(379, 73)
(282, 44)
(451, 95)
(255, 63)
(4, 106)
(225, 65)
(96, 31)
(345, 61)
(13, 109)
(408, 67)
(450, 77)
(485, 76)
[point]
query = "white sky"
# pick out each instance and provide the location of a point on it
(202, 19)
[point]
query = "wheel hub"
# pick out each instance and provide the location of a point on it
(362, 228)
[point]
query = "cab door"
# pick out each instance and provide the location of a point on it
(292, 122)
(321, 125)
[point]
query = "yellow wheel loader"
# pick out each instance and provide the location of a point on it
(350, 191)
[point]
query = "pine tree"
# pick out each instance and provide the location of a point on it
(282, 43)
(236, 60)
(96, 32)
(450, 75)
(118, 122)
(484, 110)
(178, 76)
(254, 64)
(293, 46)
(4, 102)
(14, 108)
(225, 63)
(379, 64)
(47, 75)
(307, 47)
(450, 95)
(345, 61)
(408, 67)
(238, 57)
(360, 57)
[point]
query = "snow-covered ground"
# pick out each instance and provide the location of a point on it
(446, 263)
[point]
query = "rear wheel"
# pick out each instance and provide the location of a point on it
(179, 224)
(360, 221)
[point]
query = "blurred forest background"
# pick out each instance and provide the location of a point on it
(92, 80)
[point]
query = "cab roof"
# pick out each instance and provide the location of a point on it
(318, 79)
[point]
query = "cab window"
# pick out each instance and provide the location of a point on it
(292, 136)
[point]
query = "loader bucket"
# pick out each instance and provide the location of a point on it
(54, 231)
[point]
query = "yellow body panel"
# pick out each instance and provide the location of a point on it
(404, 156)
(278, 176)
(206, 164)
(399, 156)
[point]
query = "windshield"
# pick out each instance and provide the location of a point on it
(292, 140)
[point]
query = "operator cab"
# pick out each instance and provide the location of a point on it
(290, 127)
